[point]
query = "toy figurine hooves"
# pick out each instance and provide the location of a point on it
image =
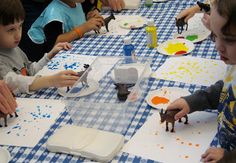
(180, 23)
(169, 117)
(4, 116)
(107, 20)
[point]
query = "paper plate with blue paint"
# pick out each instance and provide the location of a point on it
(5, 156)
(79, 90)
(176, 47)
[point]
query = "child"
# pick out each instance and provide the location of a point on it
(14, 65)
(61, 21)
(222, 94)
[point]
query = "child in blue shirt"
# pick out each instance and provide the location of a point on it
(222, 95)
(61, 21)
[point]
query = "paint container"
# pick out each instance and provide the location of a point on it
(151, 32)
(129, 50)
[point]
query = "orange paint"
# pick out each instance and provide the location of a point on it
(186, 157)
(159, 100)
(197, 145)
(190, 144)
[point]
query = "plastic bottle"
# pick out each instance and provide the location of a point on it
(151, 31)
(148, 3)
(129, 50)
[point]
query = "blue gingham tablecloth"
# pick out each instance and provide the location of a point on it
(164, 15)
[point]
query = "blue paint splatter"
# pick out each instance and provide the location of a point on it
(72, 66)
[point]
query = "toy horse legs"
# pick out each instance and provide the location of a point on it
(167, 128)
(173, 127)
(12, 115)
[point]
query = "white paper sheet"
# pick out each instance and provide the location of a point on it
(76, 62)
(191, 70)
(35, 116)
(185, 145)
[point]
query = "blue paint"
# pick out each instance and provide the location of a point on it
(72, 66)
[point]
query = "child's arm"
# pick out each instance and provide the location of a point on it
(92, 24)
(188, 13)
(61, 79)
(200, 100)
(36, 66)
(28, 84)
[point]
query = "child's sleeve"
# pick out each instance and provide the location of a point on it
(19, 83)
(36, 66)
(205, 99)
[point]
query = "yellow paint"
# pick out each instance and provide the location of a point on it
(172, 48)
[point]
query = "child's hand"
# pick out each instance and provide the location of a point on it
(64, 78)
(94, 14)
(212, 155)
(206, 21)
(188, 13)
(7, 101)
(58, 47)
(180, 104)
(94, 24)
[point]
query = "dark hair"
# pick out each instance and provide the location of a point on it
(227, 9)
(11, 11)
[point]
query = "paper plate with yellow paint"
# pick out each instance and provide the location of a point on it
(161, 98)
(176, 47)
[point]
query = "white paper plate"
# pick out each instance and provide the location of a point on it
(132, 22)
(5, 156)
(176, 47)
(168, 95)
(195, 35)
(79, 91)
(196, 32)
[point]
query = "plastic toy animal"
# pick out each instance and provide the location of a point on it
(203, 6)
(168, 116)
(123, 92)
(180, 23)
(108, 19)
(84, 74)
(4, 116)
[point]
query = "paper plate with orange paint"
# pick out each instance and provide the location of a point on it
(161, 98)
(176, 47)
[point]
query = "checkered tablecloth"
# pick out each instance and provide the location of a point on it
(164, 16)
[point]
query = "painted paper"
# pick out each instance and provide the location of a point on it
(185, 145)
(191, 70)
(35, 116)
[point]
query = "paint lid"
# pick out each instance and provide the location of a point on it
(150, 22)
(127, 40)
